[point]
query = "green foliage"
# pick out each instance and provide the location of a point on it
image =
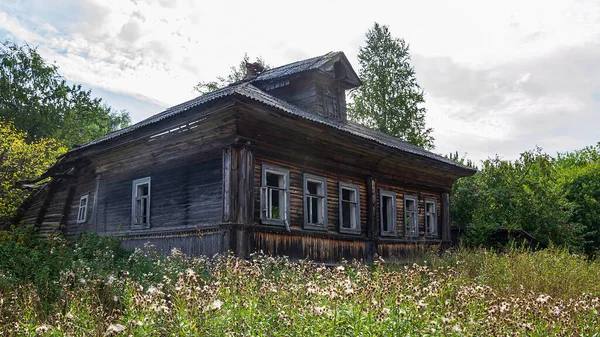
(21, 160)
(236, 74)
(38, 100)
(389, 100)
(93, 288)
(554, 199)
(584, 194)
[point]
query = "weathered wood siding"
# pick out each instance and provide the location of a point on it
(421, 196)
(297, 197)
(207, 243)
(184, 195)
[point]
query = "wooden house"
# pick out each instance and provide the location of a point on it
(267, 164)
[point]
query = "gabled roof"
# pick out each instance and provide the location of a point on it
(314, 63)
(252, 92)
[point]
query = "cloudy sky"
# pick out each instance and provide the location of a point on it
(500, 76)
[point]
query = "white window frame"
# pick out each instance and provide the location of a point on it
(355, 229)
(392, 231)
(134, 188)
(322, 225)
(411, 229)
(264, 192)
(431, 229)
(82, 210)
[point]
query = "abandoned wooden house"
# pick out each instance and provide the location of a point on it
(270, 164)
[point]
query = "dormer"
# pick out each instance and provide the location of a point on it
(317, 85)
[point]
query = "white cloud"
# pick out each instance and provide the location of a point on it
(500, 77)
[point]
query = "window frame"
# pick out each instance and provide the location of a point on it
(285, 220)
(317, 179)
(435, 232)
(408, 227)
(394, 220)
(356, 189)
(87, 200)
(134, 186)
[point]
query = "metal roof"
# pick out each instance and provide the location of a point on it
(296, 67)
(246, 89)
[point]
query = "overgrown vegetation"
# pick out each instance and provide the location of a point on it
(21, 160)
(557, 200)
(94, 288)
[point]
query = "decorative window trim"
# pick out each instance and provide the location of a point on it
(82, 218)
(431, 231)
(322, 180)
(356, 189)
(393, 220)
(411, 229)
(285, 221)
(134, 185)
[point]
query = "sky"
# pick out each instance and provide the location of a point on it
(500, 77)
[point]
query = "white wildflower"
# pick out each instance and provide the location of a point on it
(340, 268)
(114, 329)
(189, 272)
(386, 311)
(318, 311)
(42, 328)
(457, 328)
(216, 305)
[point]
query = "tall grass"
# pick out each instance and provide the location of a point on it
(94, 288)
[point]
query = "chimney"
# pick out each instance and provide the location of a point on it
(253, 70)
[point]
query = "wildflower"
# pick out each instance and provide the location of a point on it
(340, 268)
(386, 311)
(543, 298)
(69, 315)
(216, 305)
(82, 281)
(457, 328)
(318, 311)
(114, 329)
(138, 323)
(111, 279)
(422, 304)
(152, 290)
(189, 272)
(42, 328)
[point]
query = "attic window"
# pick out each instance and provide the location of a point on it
(140, 203)
(275, 196)
(315, 202)
(387, 213)
(349, 209)
(331, 102)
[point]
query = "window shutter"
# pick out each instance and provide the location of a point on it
(263, 203)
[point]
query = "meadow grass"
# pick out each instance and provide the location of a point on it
(94, 288)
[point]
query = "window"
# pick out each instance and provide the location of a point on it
(140, 208)
(410, 216)
(315, 202)
(275, 196)
(82, 209)
(431, 218)
(349, 209)
(387, 213)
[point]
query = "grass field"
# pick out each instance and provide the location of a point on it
(93, 288)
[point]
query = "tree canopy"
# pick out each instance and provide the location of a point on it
(390, 99)
(38, 100)
(236, 73)
(21, 160)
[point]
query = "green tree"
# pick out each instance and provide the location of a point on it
(521, 194)
(21, 160)
(390, 100)
(236, 74)
(37, 100)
